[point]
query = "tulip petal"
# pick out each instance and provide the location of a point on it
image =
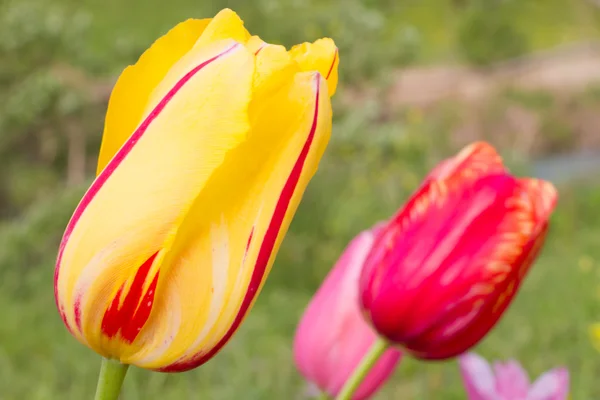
(133, 206)
(543, 196)
(333, 337)
(321, 56)
(255, 44)
(225, 25)
(552, 385)
(132, 91)
(501, 264)
(225, 244)
(478, 377)
(471, 163)
(512, 382)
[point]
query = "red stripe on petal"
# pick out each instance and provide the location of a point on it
(260, 48)
(121, 316)
(110, 321)
(133, 328)
(249, 239)
(266, 247)
(335, 56)
(77, 311)
(117, 160)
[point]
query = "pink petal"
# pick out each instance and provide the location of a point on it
(478, 377)
(333, 337)
(552, 385)
(512, 382)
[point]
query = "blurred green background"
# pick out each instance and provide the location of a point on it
(420, 78)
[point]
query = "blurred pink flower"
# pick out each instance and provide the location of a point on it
(333, 337)
(509, 381)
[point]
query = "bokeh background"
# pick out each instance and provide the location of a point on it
(420, 78)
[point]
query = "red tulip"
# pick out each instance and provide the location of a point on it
(448, 264)
(332, 337)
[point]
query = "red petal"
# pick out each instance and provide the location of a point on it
(471, 163)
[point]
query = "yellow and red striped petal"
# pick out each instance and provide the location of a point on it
(224, 247)
(321, 56)
(142, 86)
(132, 91)
(114, 242)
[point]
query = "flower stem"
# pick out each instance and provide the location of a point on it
(110, 380)
(361, 371)
(323, 396)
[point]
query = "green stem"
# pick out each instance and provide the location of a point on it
(323, 396)
(112, 374)
(359, 374)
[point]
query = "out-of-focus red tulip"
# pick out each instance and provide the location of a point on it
(332, 337)
(446, 266)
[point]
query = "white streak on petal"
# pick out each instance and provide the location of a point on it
(219, 237)
(220, 305)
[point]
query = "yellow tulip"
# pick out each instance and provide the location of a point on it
(210, 141)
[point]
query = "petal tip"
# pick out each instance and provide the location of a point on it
(474, 161)
(543, 194)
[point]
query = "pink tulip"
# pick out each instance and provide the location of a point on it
(508, 381)
(333, 337)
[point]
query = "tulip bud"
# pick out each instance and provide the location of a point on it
(332, 337)
(209, 143)
(509, 381)
(447, 265)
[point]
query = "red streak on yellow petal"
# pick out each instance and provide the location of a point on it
(133, 328)
(114, 164)
(249, 239)
(335, 56)
(130, 314)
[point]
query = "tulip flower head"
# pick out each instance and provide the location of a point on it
(209, 143)
(509, 381)
(447, 265)
(332, 337)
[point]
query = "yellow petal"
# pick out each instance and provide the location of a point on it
(321, 56)
(255, 44)
(225, 25)
(132, 91)
(225, 245)
(274, 70)
(133, 206)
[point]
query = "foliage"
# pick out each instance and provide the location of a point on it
(35, 37)
(487, 34)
